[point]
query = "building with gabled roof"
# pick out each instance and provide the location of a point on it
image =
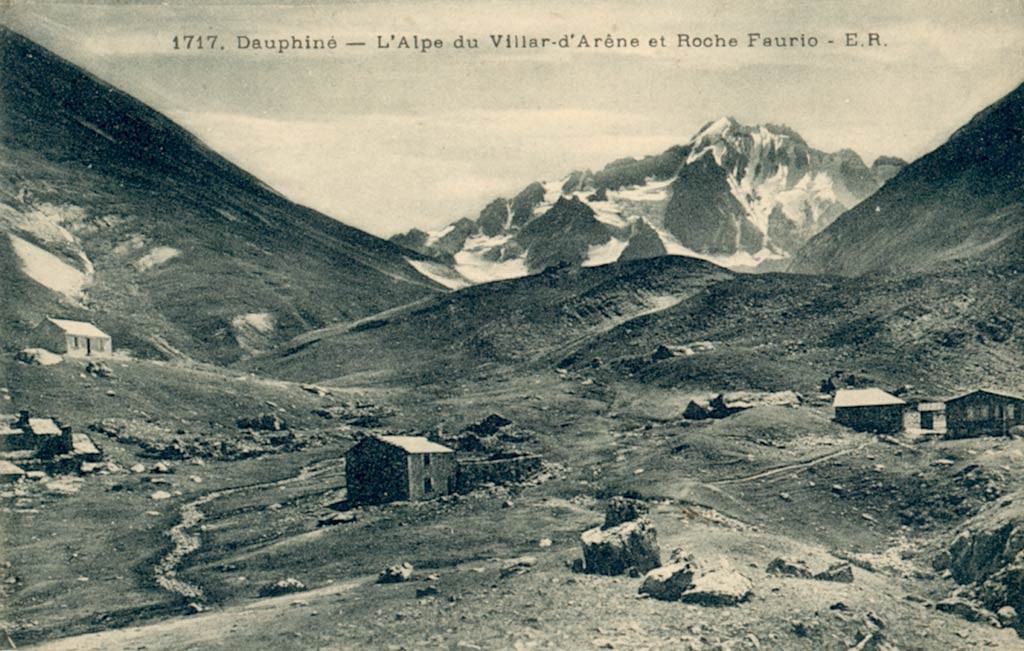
(983, 412)
(74, 338)
(388, 468)
(9, 472)
(869, 410)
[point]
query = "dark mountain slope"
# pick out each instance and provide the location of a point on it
(174, 243)
(493, 326)
(940, 332)
(965, 200)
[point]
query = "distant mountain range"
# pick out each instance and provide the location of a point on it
(962, 202)
(109, 212)
(733, 194)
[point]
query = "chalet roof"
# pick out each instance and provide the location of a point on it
(42, 426)
(415, 444)
(82, 444)
(8, 468)
(872, 397)
(78, 328)
(1002, 394)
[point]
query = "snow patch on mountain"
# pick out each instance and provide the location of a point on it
(606, 253)
(49, 270)
(651, 190)
(475, 264)
(440, 273)
(156, 257)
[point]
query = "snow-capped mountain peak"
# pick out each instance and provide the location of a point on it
(734, 194)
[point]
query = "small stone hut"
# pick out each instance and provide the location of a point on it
(74, 338)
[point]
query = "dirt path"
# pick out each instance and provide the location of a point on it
(212, 629)
(186, 542)
(799, 465)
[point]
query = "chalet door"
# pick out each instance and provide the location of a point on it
(88, 346)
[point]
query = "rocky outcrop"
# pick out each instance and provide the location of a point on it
(987, 556)
(626, 542)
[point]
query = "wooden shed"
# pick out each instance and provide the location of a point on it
(983, 412)
(869, 410)
(388, 468)
(74, 338)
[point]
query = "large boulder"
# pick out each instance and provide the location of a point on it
(669, 582)
(617, 550)
(694, 411)
(721, 586)
(38, 357)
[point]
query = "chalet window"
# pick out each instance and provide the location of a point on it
(99, 345)
(970, 413)
(428, 485)
(75, 343)
(426, 459)
(1011, 411)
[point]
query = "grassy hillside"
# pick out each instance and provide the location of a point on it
(171, 242)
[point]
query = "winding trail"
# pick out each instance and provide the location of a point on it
(186, 541)
(799, 465)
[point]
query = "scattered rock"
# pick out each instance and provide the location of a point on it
(613, 551)
(840, 572)
(544, 543)
(194, 608)
(137, 468)
(428, 591)
(489, 426)
(314, 389)
(99, 369)
(284, 586)
(786, 567)
(263, 422)
(1007, 616)
(336, 518)
(721, 586)
(515, 566)
(694, 411)
(661, 352)
(160, 495)
(669, 581)
(161, 468)
(38, 357)
(968, 610)
(623, 509)
(396, 574)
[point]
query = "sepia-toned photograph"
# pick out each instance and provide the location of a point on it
(464, 325)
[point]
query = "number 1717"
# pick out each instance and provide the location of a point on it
(194, 42)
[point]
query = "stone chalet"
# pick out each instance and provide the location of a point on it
(387, 468)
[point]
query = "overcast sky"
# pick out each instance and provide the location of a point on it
(389, 139)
